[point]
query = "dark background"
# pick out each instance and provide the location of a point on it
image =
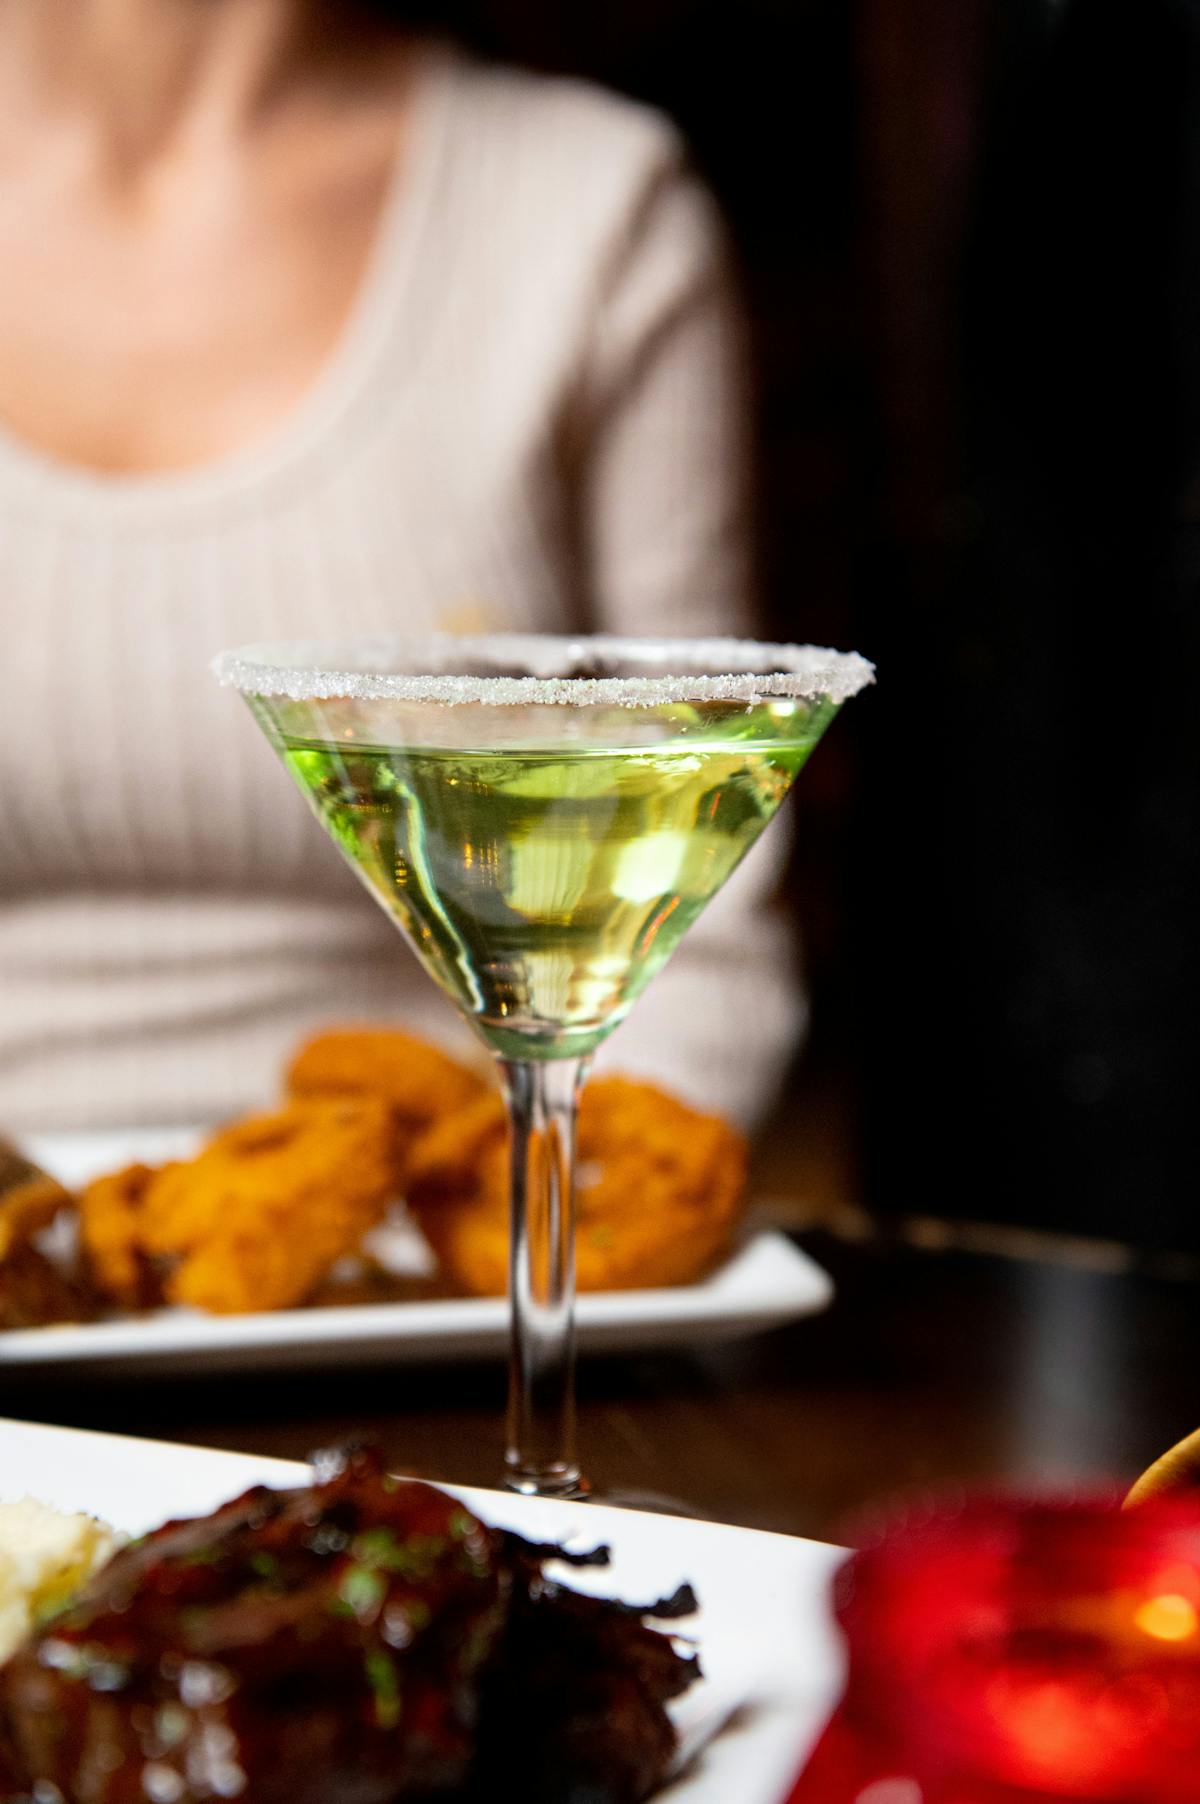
(970, 236)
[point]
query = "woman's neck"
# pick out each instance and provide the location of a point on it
(148, 79)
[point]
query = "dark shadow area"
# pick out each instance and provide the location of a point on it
(970, 236)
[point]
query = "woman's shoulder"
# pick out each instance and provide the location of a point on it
(571, 133)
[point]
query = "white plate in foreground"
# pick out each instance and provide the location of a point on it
(768, 1281)
(764, 1638)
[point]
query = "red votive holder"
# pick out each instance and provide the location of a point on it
(1007, 1653)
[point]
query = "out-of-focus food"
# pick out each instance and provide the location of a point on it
(112, 1237)
(29, 1199)
(272, 1212)
(264, 1211)
(572, 1704)
(255, 1221)
(33, 1290)
(660, 1187)
(364, 1640)
(45, 1556)
(419, 1083)
(36, 1293)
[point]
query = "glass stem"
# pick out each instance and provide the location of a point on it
(543, 1099)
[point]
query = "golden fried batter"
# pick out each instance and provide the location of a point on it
(29, 1200)
(261, 1216)
(271, 1203)
(33, 1292)
(110, 1232)
(658, 1197)
(419, 1083)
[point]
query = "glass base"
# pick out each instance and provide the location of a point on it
(569, 1483)
(575, 1488)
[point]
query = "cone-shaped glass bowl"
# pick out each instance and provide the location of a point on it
(543, 819)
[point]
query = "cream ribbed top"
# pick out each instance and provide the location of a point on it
(533, 421)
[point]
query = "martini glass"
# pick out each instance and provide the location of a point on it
(543, 819)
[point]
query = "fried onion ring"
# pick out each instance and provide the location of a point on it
(258, 1219)
(419, 1083)
(110, 1232)
(657, 1202)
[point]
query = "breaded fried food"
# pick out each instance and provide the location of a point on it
(658, 1197)
(33, 1291)
(110, 1234)
(258, 1219)
(29, 1199)
(419, 1083)
(35, 1294)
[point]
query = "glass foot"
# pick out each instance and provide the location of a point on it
(576, 1489)
(569, 1483)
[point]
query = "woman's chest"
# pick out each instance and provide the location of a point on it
(121, 760)
(165, 334)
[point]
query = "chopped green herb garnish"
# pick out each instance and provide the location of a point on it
(377, 1547)
(381, 1551)
(363, 1590)
(385, 1683)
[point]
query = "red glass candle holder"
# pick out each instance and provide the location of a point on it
(1001, 1653)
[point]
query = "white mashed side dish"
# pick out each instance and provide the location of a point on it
(45, 1556)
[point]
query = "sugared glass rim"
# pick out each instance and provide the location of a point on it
(736, 670)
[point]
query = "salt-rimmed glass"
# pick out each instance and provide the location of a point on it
(543, 818)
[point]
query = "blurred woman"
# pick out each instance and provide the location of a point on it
(311, 326)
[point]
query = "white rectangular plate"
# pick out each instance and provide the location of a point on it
(768, 1281)
(766, 1645)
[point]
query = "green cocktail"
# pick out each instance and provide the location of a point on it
(544, 819)
(544, 887)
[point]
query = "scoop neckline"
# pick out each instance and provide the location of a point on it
(310, 422)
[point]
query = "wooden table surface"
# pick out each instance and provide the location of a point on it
(932, 1368)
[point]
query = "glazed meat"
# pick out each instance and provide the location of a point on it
(573, 1698)
(365, 1641)
(303, 1646)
